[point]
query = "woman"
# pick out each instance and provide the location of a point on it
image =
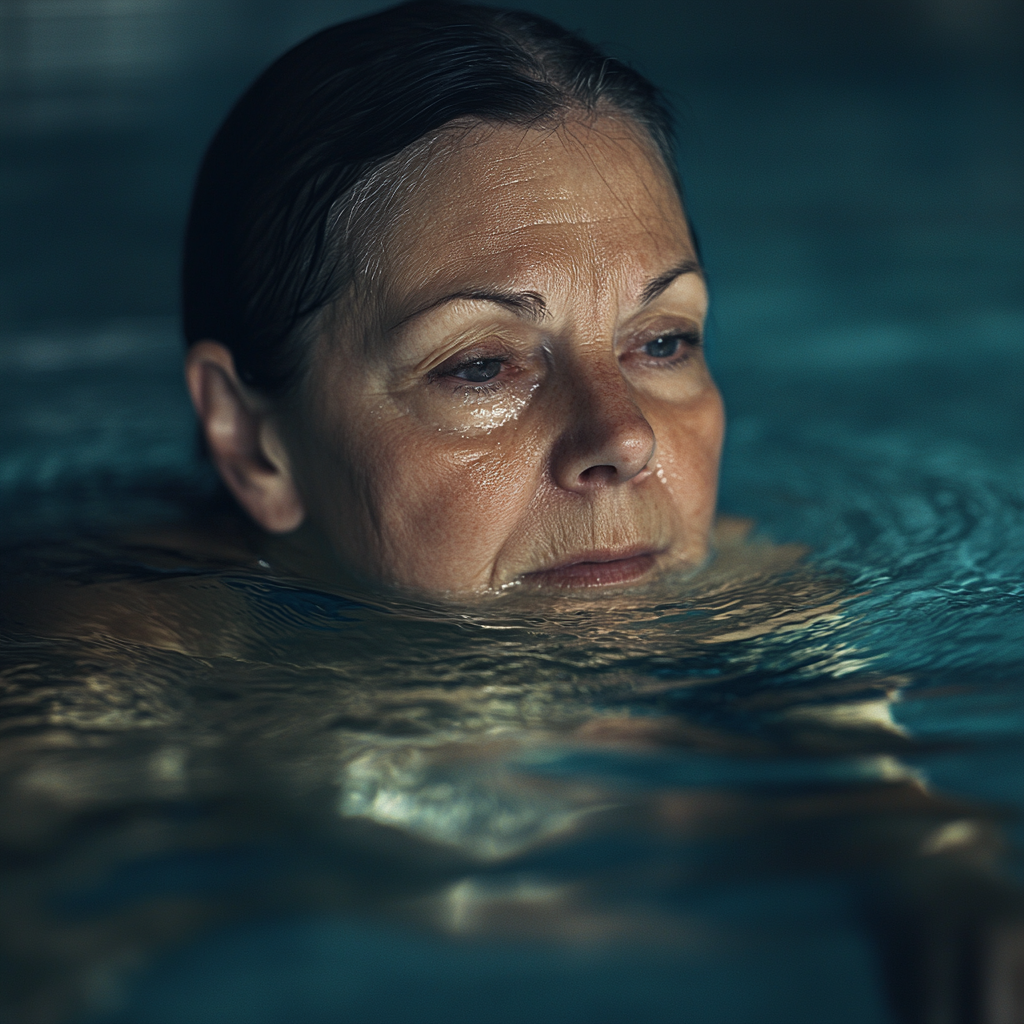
(444, 309)
(444, 315)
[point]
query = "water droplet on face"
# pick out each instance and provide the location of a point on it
(500, 413)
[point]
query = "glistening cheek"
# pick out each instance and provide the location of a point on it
(687, 451)
(681, 429)
(691, 487)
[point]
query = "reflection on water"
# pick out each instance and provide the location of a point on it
(679, 784)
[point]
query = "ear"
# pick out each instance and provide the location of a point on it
(243, 439)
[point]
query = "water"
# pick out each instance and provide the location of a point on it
(579, 809)
(788, 789)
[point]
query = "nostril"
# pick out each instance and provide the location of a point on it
(604, 454)
(599, 475)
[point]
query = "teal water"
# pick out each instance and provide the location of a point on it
(787, 790)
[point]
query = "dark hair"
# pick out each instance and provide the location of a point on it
(262, 251)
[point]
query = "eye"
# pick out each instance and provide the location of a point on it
(478, 371)
(664, 347)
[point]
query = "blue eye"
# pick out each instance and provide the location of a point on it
(479, 371)
(663, 348)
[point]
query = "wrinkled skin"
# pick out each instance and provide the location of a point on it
(523, 399)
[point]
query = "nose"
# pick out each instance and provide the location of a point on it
(607, 439)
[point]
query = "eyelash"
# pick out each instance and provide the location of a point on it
(478, 389)
(447, 373)
(689, 342)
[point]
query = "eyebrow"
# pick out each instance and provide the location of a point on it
(528, 305)
(531, 306)
(654, 288)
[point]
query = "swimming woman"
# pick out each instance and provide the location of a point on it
(444, 313)
(444, 309)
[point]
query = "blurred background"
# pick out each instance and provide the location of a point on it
(854, 169)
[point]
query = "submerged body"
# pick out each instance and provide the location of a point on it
(175, 700)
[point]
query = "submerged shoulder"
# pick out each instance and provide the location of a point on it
(161, 588)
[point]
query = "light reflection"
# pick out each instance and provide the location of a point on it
(472, 751)
(474, 804)
(869, 715)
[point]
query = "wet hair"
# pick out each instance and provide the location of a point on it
(267, 247)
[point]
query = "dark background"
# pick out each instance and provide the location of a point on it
(853, 167)
(791, 111)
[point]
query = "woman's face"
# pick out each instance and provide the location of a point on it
(523, 398)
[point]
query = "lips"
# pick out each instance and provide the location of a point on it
(597, 569)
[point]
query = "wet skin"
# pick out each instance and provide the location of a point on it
(518, 398)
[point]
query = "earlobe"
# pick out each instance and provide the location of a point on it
(243, 439)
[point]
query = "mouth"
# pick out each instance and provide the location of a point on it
(602, 568)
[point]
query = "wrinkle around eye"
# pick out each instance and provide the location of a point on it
(487, 338)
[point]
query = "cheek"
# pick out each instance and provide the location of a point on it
(689, 448)
(443, 508)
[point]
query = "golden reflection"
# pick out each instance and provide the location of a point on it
(459, 746)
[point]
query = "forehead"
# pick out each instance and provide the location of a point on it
(552, 209)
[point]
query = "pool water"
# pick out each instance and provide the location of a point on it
(786, 789)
